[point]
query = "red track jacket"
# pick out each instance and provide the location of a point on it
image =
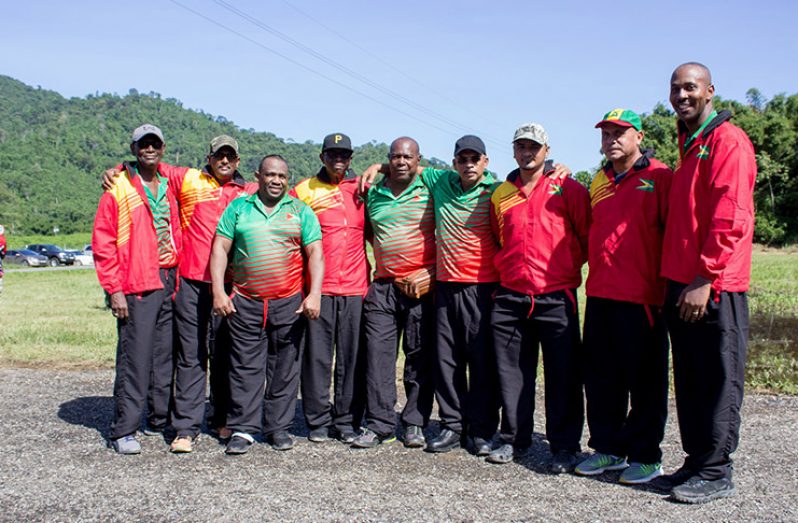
(710, 225)
(124, 241)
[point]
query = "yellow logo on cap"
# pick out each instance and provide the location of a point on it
(338, 138)
(615, 114)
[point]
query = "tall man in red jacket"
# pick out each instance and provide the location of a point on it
(626, 342)
(542, 225)
(707, 261)
(136, 244)
(334, 196)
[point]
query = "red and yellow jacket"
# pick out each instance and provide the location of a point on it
(341, 212)
(710, 225)
(202, 201)
(124, 241)
(626, 232)
(543, 233)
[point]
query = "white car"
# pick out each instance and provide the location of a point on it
(81, 258)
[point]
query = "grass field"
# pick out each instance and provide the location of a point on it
(58, 319)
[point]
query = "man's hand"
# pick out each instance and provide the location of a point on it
(109, 178)
(693, 301)
(416, 284)
(368, 176)
(311, 306)
(119, 306)
(223, 305)
(560, 172)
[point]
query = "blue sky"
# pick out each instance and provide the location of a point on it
(379, 70)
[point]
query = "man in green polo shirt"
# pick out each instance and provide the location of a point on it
(402, 218)
(267, 233)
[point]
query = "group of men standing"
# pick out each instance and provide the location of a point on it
(471, 274)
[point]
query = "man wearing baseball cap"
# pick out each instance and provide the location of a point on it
(542, 225)
(335, 199)
(626, 346)
(136, 244)
(202, 195)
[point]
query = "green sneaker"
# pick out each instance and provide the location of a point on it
(598, 463)
(640, 473)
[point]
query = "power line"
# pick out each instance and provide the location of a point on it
(354, 74)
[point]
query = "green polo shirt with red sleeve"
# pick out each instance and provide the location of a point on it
(464, 237)
(403, 227)
(267, 255)
(159, 205)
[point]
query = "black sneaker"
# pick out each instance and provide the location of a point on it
(482, 446)
(414, 437)
(280, 440)
(667, 482)
(346, 436)
(319, 435)
(697, 490)
(563, 462)
(152, 431)
(238, 444)
(369, 439)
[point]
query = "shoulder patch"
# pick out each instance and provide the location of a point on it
(702, 152)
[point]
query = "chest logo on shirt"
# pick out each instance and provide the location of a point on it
(703, 152)
(645, 185)
(556, 190)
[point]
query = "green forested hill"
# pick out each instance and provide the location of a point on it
(53, 150)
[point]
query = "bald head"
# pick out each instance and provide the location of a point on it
(696, 69)
(404, 142)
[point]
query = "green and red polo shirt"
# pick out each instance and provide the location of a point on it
(465, 242)
(267, 252)
(403, 228)
(159, 205)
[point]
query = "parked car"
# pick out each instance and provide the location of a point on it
(55, 255)
(83, 258)
(26, 257)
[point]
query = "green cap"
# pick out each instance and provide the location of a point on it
(622, 117)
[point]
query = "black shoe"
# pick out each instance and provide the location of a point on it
(446, 441)
(346, 436)
(697, 490)
(667, 482)
(238, 445)
(280, 440)
(482, 446)
(152, 430)
(414, 437)
(563, 462)
(319, 435)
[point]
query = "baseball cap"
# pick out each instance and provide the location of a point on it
(469, 142)
(143, 130)
(336, 141)
(531, 131)
(622, 117)
(223, 141)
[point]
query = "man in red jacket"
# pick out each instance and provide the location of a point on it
(136, 243)
(542, 225)
(707, 261)
(334, 196)
(626, 342)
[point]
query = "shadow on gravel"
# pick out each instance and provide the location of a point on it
(94, 412)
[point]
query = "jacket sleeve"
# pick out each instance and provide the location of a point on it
(580, 210)
(731, 204)
(103, 244)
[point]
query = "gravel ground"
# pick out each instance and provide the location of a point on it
(54, 467)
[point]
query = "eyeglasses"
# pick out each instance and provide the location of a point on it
(230, 155)
(337, 154)
(468, 158)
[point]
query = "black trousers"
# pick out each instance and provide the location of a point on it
(387, 314)
(626, 361)
(267, 341)
(708, 374)
(519, 325)
(145, 359)
(336, 331)
(466, 384)
(202, 338)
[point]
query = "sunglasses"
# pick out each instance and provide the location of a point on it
(230, 155)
